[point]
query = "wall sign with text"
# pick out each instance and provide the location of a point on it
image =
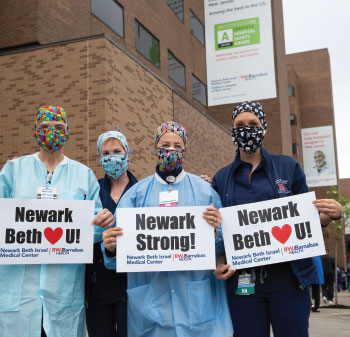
(239, 51)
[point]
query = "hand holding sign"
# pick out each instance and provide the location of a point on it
(330, 207)
(104, 219)
(212, 216)
(223, 271)
(109, 238)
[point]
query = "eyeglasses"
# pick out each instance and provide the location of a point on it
(57, 127)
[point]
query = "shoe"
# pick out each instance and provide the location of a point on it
(325, 299)
(330, 302)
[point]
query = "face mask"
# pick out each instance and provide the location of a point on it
(51, 140)
(248, 138)
(170, 159)
(114, 164)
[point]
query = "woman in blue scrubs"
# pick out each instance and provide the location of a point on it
(281, 297)
(181, 303)
(39, 300)
(105, 290)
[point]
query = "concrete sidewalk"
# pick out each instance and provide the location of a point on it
(331, 322)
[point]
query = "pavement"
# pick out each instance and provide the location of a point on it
(331, 321)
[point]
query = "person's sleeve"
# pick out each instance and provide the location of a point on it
(94, 194)
(214, 183)
(109, 260)
(6, 180)
(128, 200)
(299, 185)
(219, 241)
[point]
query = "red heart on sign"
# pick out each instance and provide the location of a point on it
(282, 234)
(53, 235)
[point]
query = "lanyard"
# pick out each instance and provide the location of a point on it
(48, 179)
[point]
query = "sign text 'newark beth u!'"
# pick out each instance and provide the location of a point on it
(272, 231)
(46, 231)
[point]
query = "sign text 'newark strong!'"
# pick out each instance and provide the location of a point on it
(164, 239)
(165, 242)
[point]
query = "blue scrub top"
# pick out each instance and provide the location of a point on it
(181, 303)
(54, 292)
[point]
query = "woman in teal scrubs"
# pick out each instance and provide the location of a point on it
(39, 299)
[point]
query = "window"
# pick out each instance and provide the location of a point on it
(199, 92)
(291, 92)
(295, 147)
(197, 28)
(110, 13)
(176, 70)
(293, 119)
(178, 8)
(147, 44)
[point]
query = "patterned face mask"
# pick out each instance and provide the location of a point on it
(114, 164)
(50, 139)
(248, 138)
(170, 159)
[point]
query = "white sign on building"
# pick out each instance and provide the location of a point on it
(318, 156)
(239, 51)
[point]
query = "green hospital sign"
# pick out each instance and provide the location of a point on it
(237, 34)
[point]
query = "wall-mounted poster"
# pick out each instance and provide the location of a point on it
(318, 155)
(239, 51)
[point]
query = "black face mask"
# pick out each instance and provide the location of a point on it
(248, 138)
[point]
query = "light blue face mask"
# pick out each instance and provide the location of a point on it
(114, 164)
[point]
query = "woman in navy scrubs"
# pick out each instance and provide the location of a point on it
(105, 290)
(280, 296)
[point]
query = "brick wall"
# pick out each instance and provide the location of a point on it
(18, 22)
(209, 147)
(100, 86)
(48, 21)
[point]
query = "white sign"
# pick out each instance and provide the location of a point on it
(318, 156)
(239, 51)
(164, 239)
(36, 231)
(272, 231)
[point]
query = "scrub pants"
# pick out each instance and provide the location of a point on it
(102, 320)
(278, 301)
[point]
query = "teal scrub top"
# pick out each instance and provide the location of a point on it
(53, 292)
(181, 303)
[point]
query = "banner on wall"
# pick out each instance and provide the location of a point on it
(272, 231)
(164, 239)
(36, 231)
(239, 51)
(318, 156)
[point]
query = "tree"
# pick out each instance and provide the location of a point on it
(337, 228)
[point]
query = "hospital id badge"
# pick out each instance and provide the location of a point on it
(46, 193)
(245, 285)
(168, 198)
